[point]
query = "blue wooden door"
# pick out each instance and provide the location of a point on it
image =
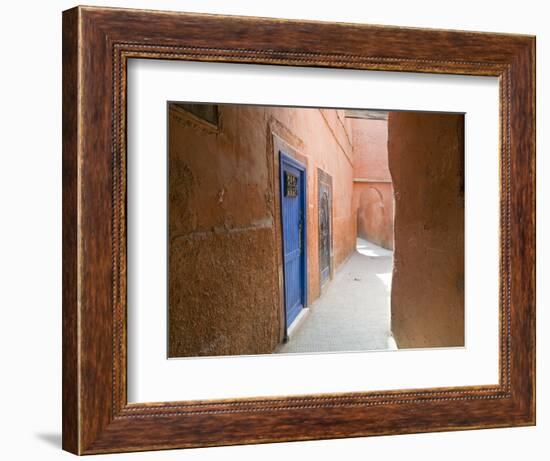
(293, 219)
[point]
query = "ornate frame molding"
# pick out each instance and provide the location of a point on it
(96, 415)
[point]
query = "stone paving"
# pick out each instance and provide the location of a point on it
(353, 313)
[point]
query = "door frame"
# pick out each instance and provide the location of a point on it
(285, 158)
(324, 178)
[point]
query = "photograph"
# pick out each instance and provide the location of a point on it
(276, 227)
(313, 229)
(275, 231)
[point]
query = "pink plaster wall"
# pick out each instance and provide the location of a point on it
(322, 138)
(372, 189)
(370, 142)
(374, 204)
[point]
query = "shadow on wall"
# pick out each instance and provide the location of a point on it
(426, 158)
(375, 214)
(372, 183)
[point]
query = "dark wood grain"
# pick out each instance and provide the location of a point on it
(97, 42)
(70, 394)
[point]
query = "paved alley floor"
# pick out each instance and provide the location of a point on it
(353, 312)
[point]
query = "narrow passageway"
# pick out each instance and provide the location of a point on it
(353, 313)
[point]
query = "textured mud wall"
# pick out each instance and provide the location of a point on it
(426, 158)
(372, 188)
(224, 236)
(222, 298)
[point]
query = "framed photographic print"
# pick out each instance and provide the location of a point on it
(284, 230)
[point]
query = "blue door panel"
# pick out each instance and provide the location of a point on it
(293, 195)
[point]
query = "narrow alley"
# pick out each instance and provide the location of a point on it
(353, 313)
(282, 233)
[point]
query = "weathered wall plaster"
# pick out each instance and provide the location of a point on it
(426, 159)
(224, 231)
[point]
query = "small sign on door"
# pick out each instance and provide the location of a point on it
(291, 185)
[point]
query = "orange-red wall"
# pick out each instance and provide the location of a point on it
(426, 153)
(321, 138)
(225, 270)
(372, 188)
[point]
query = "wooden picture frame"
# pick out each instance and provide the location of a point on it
(97, 43)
